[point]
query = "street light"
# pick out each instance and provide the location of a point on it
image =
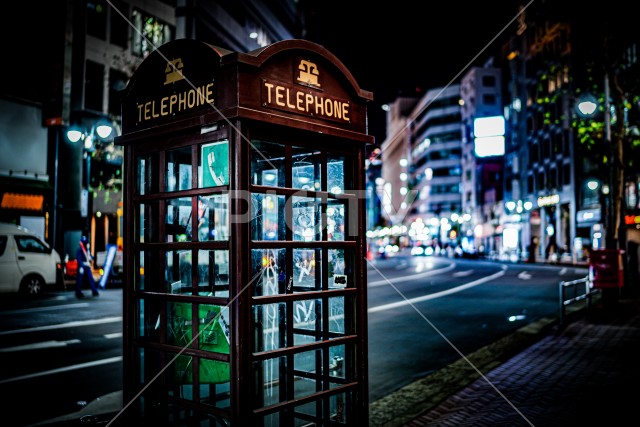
(99, 130)
(587, 107)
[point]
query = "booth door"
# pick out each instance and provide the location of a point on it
(303, 289)
(178, 315)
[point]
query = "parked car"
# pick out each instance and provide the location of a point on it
(27, 264)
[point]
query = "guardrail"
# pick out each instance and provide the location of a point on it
(581, 290)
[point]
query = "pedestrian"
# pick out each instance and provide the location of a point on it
(533, 247)
(85, 273)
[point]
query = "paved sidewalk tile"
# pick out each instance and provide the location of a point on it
(585, 374)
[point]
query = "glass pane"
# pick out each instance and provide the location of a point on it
(335, 174)
(267, 164)
(178, 220)
(336, 211)
(267, 217)
(149, 312)
(217, 395)
(305, 168)
(268, 271)
(307, 270)
(309, 378)
(147, 174)
(337, 359)
(306, 219)
(178, 169)
(270, 322)
(336, 315)
(339, 275)
(339, 407)
(139, 271)
(213, 217)
(177, 276)
(307, 321)
(269, 388)
(213, 168)
(147, 223)
(147, 279)
(180, 376)
(271, 419)
(213, 273)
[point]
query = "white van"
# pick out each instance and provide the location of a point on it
(27, 264)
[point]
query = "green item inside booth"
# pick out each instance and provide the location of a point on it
(214, 337)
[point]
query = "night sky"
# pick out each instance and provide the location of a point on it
(408, 47)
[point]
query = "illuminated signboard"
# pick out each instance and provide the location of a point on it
(489, 146)
(488, 135)
(306, 97)
(553, 199)
(289, 80)
(30, 202)
(488, 126)
(178, 79)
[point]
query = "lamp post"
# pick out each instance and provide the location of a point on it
(99, 131)
(587, 107)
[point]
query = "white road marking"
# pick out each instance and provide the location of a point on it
(411, 277)
(111, 336)
(437, 294)
(74, 324)
(49, 308)
(39, 346)
(64, 369)
(523, 275)
(462, 273)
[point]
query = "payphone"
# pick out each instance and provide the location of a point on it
(245, 278)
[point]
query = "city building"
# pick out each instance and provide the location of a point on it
(393, 189)
(63, 184)
(435, 166)
(540, 158)
(482, 215)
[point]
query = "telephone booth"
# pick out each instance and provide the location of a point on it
(245, 279)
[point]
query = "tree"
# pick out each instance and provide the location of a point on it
(610, 71)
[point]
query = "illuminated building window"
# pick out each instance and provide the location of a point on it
(149, 33)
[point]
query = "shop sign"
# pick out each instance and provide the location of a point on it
(178, 79)
(552, 199)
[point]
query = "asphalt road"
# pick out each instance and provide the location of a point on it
(427, 312)
(58, 353)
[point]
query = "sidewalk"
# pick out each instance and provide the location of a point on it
(586, 372)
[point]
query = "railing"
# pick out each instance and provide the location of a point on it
(579, 290)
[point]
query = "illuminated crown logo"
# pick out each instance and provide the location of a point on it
(173, 71)
(308, 73)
